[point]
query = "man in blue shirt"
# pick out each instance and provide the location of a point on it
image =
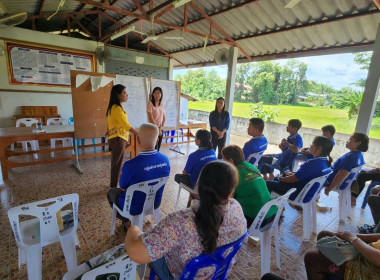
(148, 165)
(258, 143)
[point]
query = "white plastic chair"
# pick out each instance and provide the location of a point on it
(180, 187)
(28, 122)
(257, 157)
(66, 142)
(150, 188)
(32, 235)
(344, 192)
(265, 232)
(309, 208)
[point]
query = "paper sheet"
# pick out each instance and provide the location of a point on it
(80, 79)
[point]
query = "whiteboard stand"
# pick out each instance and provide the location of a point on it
(176, 148)
(77, 165)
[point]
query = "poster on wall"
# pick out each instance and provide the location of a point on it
(44, 66)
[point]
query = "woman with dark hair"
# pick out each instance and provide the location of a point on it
(342, 167)
(156, 113)
(313, 168)
(251, 192)
(214, 220)
(118, 130)
(197, 159)
(219, 124)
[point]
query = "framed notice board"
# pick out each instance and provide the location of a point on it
(40, 65)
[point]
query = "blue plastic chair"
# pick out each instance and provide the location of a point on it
(368, 192)
(82, 141)
(216, 259)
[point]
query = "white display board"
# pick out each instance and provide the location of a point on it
(135, 107)
(170, 90)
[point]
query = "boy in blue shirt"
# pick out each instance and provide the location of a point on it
(258, 143)
(148, 165)
(289, 147)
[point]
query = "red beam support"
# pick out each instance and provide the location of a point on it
(83, 28)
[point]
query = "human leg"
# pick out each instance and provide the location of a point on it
(362, 178)
(278, 187)
(161, 268)
(270, 276)
(221, 143)
(158, 145)
(113, 198)
(374, 205)
(117, 146)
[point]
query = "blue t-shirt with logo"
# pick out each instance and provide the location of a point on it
(287, 156)
(346, 162)
(146, 166)
(256, 145)
(311, 169)
(196, 161)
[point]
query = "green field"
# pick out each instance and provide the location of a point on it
(313, 117)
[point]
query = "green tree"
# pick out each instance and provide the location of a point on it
(351, 101)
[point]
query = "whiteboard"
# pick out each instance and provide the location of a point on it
(135, 107)
(170, 90)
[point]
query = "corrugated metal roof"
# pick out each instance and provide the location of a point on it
(263, 29)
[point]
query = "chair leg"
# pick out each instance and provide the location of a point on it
(34, 145)
(157, 215)
(52, 145)
(306, 216)
(342, 207)
(265, 251)
(78, 144)
(348, 202)
(113, 220)
(21, 257)
(178, 195)
(314, 216)
(68, 248)
(93, 142)
(34, 262)
(152, 274)
(277, 247)
(368, 192)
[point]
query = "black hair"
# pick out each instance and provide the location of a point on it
(257, 123)
(205, 137)
(114, 97)
(224, 107)
(217, 181)
(329, 128)
(233, 152)
(152, 99)
(326, 144)
(363, 139)
(296, 123)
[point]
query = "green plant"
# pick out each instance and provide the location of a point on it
(257, 110)
(351, 101)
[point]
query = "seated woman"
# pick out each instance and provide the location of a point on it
(313, 168)
(214, 220)
(357, 144)
(365, 266)
(251, 192)
(197, 160)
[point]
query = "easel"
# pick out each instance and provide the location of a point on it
(176, 148)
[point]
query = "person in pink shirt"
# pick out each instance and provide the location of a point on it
(156, 113)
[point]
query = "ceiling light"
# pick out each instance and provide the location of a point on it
(179, 3)
(123, 32)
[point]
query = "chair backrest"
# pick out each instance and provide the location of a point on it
(314, 186)
(46, 211)
(280, 202)
(28, 122)
(150, 189)
(352, 176)
(122, 265)
(217, 259)
(257, 157)
(70, 120)
(56, 121)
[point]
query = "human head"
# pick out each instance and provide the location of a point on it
(220, 103)
(216, 182)
(256, 127)
(293, 126)
(233, 154)
(203, 139)
(118, 95)
(328, 131)
(358, 142)
(147, 136)
(321, 147)
(157, 90)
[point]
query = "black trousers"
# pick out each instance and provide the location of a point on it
(218, 143)
(158, 145)
(364, 177)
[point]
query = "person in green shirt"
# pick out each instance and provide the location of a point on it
(252, 192)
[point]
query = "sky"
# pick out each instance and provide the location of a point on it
(337, 70)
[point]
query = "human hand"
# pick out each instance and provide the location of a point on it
(327, 191)
(375, 170)
(305, 151)
(347, 235)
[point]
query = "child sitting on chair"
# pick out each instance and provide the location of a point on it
(258, 143)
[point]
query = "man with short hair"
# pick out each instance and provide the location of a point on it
(258, 143)
(148, 165)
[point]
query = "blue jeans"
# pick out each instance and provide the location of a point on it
(161, 268)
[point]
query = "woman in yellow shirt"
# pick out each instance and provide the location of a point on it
(118, 130)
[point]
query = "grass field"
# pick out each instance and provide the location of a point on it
(313, 117)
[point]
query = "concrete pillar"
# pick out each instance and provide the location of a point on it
(171, 69)
(230, 84)
(371, 90)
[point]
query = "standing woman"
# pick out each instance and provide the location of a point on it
(156, 113)
(118, 130)
(219, 123)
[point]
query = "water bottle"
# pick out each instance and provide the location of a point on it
(39, 124)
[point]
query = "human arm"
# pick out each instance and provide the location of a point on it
(149, 112)
(337, 181)
(375, 170)
(184, 172)
(135, 247)
(293, 148)
(282, 144)
(288, 179)
(212, 120)
(360, 242)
